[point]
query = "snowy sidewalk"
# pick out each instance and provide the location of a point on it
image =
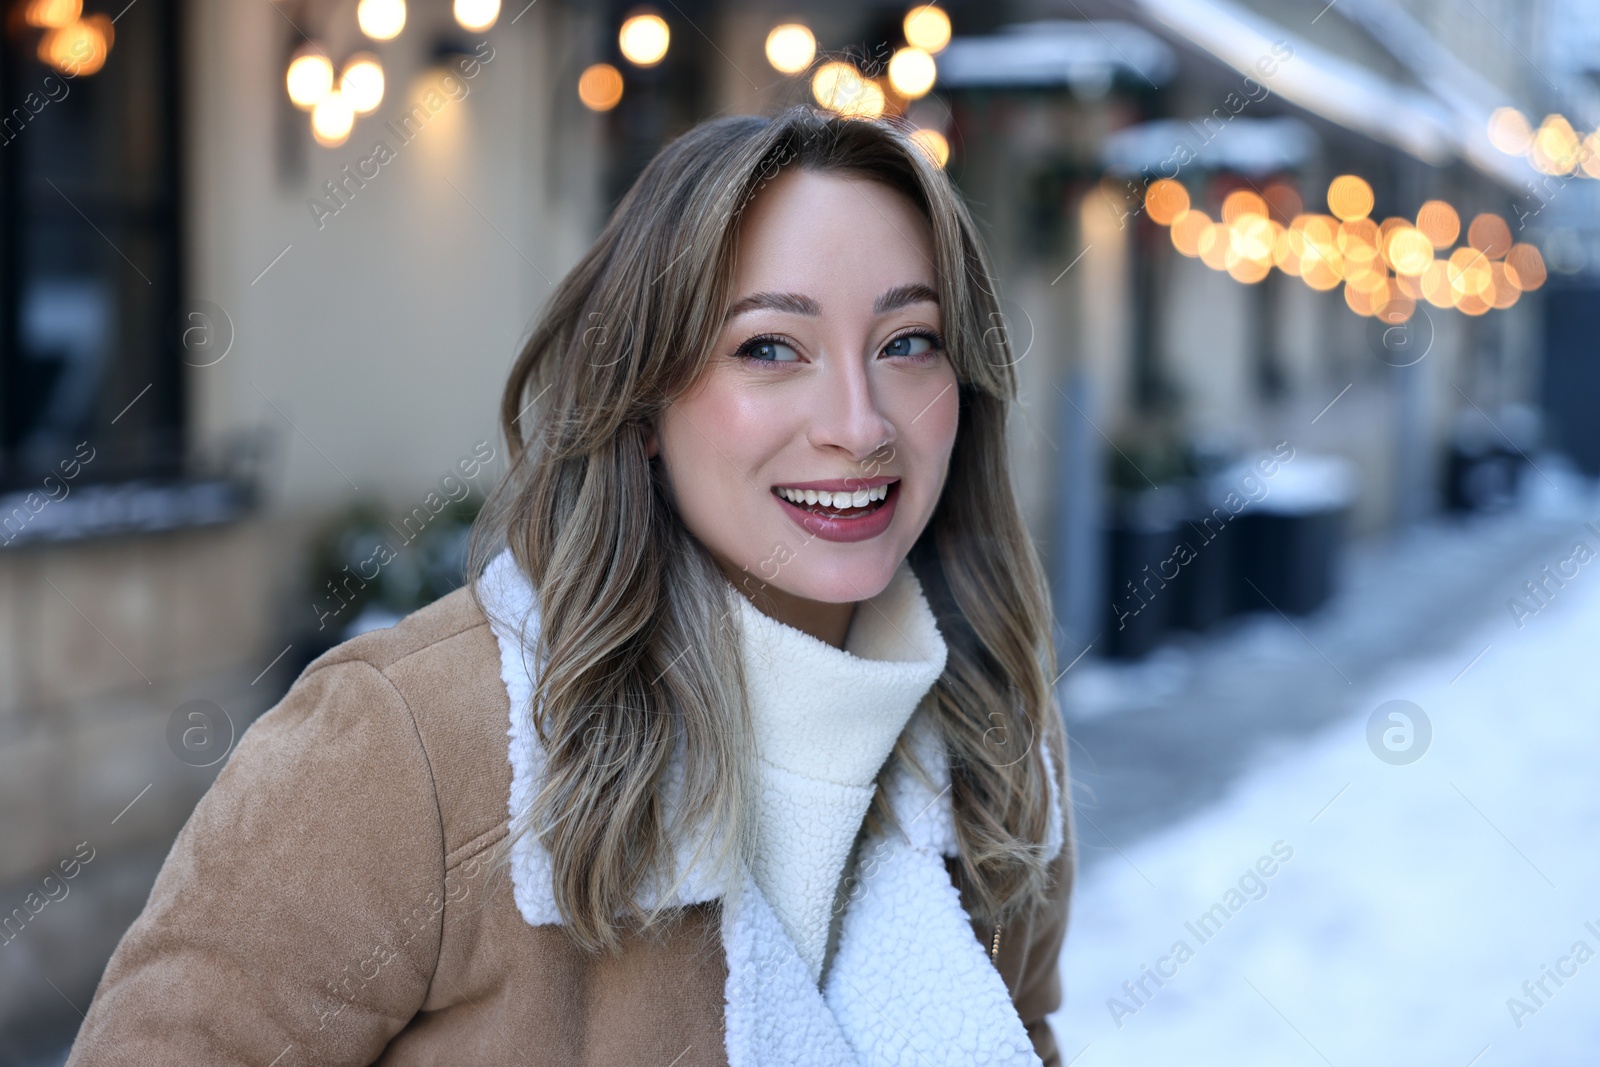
(1337, 908)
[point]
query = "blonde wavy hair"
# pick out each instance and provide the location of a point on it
(635, 639)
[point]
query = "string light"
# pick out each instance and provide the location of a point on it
(361, 84)
(382, 20)
(309, 79)
(644, 39)
(332, 119)
(927, 27)
(476, 15)
(79, 47)
(600, 87)
(1386, 269)
(912, 72)
(791, 48)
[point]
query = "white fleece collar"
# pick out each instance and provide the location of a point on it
(825, 720)
(909, 983)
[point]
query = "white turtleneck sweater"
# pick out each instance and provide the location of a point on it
(825, 721)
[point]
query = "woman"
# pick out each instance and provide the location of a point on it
(741, 749)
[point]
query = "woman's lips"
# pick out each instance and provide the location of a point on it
(854, 524)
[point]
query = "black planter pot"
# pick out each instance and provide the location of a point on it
(1140, 602)
(1206, 582)
(1288, 561)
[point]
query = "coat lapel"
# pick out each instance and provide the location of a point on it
(908, 984)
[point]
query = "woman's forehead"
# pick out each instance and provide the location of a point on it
(812, 229)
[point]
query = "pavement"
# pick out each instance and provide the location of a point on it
(1364, 836)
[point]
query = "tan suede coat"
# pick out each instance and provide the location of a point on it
(328, 900)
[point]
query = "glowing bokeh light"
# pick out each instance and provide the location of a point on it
(644, 39)
(1165, 200)
(361, 84)
(1349, 197)
(927, 27)
(382, 20)
(310, 78)
(912, 72)
(791, 47)
(476, 15)
(600, 87)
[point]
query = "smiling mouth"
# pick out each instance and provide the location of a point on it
(839, 504)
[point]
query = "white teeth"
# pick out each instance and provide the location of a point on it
(839, 500)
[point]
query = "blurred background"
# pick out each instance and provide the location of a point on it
(1304, 299)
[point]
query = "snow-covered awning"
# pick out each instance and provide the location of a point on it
(1083, 55)
(1337, 89)
(1246, 145)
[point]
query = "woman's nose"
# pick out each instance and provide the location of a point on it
(846, 414)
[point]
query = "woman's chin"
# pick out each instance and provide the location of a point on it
(841, 582)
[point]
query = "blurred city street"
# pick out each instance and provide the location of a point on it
(1409, 901)
(1301, 302)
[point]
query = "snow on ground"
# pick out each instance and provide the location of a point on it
(1418, 898)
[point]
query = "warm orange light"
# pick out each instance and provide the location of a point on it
(1408, 250)
(382, 20)
(1397, 309)
(362, 83)
(1358, 241)
(791, 47)
(1468, 271)
(1555, 146)
(644, 39)
(1525, 267)
(1503, 289)
(1247, 270)
(600, 87)
(1359, 300)
(1165, 200)
(912, 72)
(1188, 229)
(78, 48)
(927, 27)
(1411, 285)
(332, 120)
(309, 79)
(1439, 221)
(1287, 250)
(1215, 249)
(1436, 288)
(1349, 197)
(476, 15)
(933, 144)
(1490, 235)
(1509, 131)
(1242, 202)
(52, 14)
(1251, 237)
(843, 89)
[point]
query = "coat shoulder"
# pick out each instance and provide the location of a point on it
(443, 661)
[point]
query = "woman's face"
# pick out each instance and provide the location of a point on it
(829, 374)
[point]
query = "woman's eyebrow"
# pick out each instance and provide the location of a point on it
(795, 303)
(903, 295)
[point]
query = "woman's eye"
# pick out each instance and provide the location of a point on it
(769, 352)
(911, 345)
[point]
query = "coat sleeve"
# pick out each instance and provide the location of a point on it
(296, 919)
(1035, 960)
